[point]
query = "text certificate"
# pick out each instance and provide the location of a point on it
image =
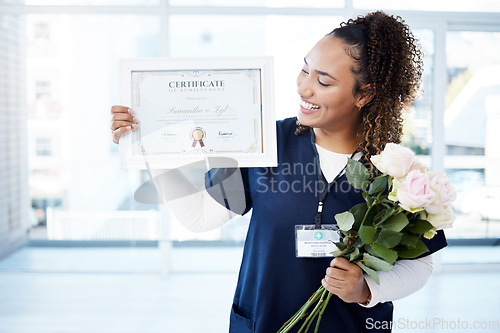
(187, 112)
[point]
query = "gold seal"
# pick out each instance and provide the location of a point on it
(198, 134)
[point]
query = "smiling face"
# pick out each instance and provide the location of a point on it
(326, 86)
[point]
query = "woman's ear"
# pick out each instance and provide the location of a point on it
(365, 95)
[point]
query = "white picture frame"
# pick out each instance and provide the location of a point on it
(193, 108)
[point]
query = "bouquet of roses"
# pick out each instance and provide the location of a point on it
(402, 205)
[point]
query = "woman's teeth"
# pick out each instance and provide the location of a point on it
(308, 106)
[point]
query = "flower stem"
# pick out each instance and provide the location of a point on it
(323, 308)
(307, 323)
(292, 318)
(302, 311)
(366, 214)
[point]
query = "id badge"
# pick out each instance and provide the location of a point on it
(315, 243)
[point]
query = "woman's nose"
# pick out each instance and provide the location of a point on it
(304, 86)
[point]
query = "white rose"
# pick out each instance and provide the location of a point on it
(417, 165)
(443, 219)
(394, 160)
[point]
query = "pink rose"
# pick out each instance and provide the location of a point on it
(444, 192)
(414, 192)
(394, 160)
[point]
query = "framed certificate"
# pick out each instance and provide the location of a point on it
(191, 109)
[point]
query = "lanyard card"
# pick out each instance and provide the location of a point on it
(311, 242)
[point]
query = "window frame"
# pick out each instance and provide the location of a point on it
(439, 22)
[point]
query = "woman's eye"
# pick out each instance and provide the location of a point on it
(305, 72)
(323, 84)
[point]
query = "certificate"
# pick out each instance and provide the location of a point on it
(191, 109)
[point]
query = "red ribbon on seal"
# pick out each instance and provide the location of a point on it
(198, 134)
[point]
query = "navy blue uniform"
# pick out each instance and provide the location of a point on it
(273, 284)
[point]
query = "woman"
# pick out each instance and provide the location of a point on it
(354, 85)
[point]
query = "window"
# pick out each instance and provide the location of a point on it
(471, 121)
(72, 80)
(418, 125)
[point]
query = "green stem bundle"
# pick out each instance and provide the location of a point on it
(319, 300)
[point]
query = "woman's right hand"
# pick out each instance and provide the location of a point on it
(122, 121)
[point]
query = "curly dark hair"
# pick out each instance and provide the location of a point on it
(388, 58)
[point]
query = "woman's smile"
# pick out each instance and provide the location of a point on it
(308, 108)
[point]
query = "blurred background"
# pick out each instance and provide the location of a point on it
(78, 254)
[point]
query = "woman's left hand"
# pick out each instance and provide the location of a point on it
(345, 280)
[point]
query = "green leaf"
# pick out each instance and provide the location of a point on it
(379, 217)
(410, 240)
(359, 212)
(411, 253)
(344, 253)
(369, 249)
(369, 200)
(344, 220)
(354, 255)
(359, 244)
(378, 184)
(376, 263)
(388, 212)
(389, 238)
(340, 245)
(396, 223)
(381, 251)
(367, 234)
(357, 175)
(420, 227)
(370, 272)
